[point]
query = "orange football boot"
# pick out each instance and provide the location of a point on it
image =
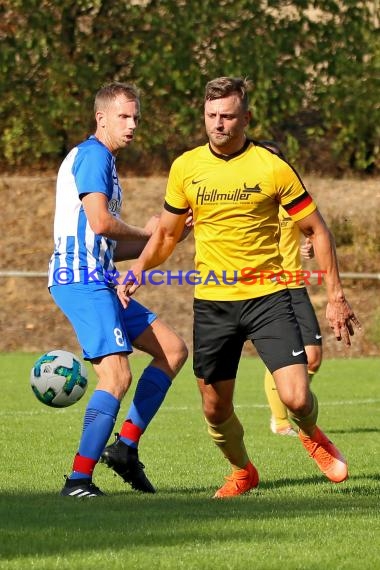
(239, 482)
(328, 458)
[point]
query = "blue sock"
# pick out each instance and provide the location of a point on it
(98, 423)
(150, 393)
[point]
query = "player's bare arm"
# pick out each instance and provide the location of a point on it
(103, 223)
(159, 247)
(339, 314)
(128, 249)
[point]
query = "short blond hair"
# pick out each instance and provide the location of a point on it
(108, 93)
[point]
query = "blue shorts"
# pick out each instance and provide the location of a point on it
(100, 322)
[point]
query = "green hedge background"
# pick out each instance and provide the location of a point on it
(315, 68)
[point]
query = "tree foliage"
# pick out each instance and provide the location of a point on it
(314, 66)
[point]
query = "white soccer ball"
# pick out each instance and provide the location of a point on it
(58, 379)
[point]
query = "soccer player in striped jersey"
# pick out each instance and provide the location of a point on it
(89, 236)
(234, 187)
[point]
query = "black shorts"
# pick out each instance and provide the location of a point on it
(306, 317)
(222, 327)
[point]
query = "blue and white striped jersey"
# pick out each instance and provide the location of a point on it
(79, 254)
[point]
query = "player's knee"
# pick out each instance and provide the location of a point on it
(177, 354)
(313, 367)
(117, 386)
(114, 375)
(297, 402)
(182, 352)
(216, 411)
(120, 383)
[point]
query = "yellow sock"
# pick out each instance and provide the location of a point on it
(278, 410)
(307, 423)
(228, 436)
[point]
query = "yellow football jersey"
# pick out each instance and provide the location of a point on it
(289, 244)
(235, 202)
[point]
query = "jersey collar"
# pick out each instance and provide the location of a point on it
(228, 157)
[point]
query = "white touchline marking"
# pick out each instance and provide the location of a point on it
(259, 406)
(321, 403)
(5, 413)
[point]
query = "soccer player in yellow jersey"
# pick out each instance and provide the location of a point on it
(290, 250)
(234, 187)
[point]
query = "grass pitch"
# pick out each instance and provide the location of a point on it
(295, 520)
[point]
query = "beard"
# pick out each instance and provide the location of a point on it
(220, 139)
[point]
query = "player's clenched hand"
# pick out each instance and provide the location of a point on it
(128, 284)
(306, 249)
(342, 320)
